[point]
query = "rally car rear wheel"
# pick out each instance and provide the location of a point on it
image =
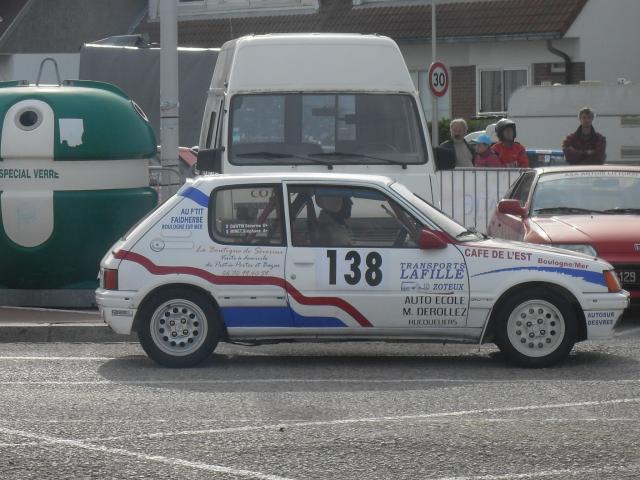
(536, 328)
(178, 327)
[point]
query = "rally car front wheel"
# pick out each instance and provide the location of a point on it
(178, 327)
(536, 327)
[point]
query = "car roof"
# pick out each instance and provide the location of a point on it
(378, 180)
(588, 168)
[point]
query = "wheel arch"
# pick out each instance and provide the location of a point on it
(187, 286)
(489, 333)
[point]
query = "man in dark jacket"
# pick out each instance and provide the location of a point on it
(462, 150)
(585, 146)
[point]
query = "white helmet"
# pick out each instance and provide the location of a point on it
(491, 131)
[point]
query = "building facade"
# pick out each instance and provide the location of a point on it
(491, 47)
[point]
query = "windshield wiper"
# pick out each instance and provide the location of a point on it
(565, 210)
(621, 210)
(360, 155)
(267, 154)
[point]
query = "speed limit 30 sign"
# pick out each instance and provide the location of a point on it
(438, 79)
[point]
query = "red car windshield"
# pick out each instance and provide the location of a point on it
(587, 192)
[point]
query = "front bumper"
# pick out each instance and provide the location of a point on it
(603, 312)
(117, 309)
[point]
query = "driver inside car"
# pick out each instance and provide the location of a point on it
(332, 226)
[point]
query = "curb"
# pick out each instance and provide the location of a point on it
(62, 333)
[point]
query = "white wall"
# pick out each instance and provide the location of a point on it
(515, 53)
(24, 66)
(236, 8)
(609, 39)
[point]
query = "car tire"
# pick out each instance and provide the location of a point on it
(178, 327)
(536, 328)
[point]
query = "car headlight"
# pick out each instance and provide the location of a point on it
(578, 247)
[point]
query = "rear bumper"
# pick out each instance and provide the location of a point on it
(117, 309)
(602, 313)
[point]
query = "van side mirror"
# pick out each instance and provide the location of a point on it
(209, 160)
(445, 158)
(430, 241)
(512, 207)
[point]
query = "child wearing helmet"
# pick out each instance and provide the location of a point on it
(510, 153)
(484, 156)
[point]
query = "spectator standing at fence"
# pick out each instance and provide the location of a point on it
(462, 150)
(485, 156)
(510, 153)
(585, 146)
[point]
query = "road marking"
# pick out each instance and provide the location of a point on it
(551, 473)
(303, 380)
(297, 420)
(74, 359)
(626, 332)
(440, 420)
(350, 421)
(142, 456)
(26, 444)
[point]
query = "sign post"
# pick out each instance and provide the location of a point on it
(438, 84)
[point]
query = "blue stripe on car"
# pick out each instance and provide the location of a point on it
(274, 317)
(591, 277)
(195, 195)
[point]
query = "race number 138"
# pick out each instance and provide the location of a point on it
(356, 268)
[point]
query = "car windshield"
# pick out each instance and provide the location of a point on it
(310, 128)
(590, 192)
(438, 217)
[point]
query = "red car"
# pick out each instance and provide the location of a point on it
(591, 209)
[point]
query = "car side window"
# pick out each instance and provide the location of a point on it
(335, 216)
(521, 190)
(247, 215)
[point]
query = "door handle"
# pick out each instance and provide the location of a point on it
(304, 262)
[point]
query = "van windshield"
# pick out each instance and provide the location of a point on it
(321, 128)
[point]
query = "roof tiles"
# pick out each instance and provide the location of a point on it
(495, 18)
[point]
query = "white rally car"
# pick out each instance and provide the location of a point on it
(308, 257)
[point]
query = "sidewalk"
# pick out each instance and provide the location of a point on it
(19, 324)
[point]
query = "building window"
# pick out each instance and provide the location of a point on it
(496, 87)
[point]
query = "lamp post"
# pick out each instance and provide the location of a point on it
(169, 103)
(434, 99)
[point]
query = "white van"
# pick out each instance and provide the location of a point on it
(316, 102)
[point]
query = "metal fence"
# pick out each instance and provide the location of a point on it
(470, 195)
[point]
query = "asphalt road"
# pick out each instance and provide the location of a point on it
(324, 411)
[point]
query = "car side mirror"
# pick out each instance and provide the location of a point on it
(430, 241)
(512, 207)
(209, 160)
(445, 158)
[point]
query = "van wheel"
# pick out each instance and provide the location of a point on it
(536, 328)
(178, 327)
